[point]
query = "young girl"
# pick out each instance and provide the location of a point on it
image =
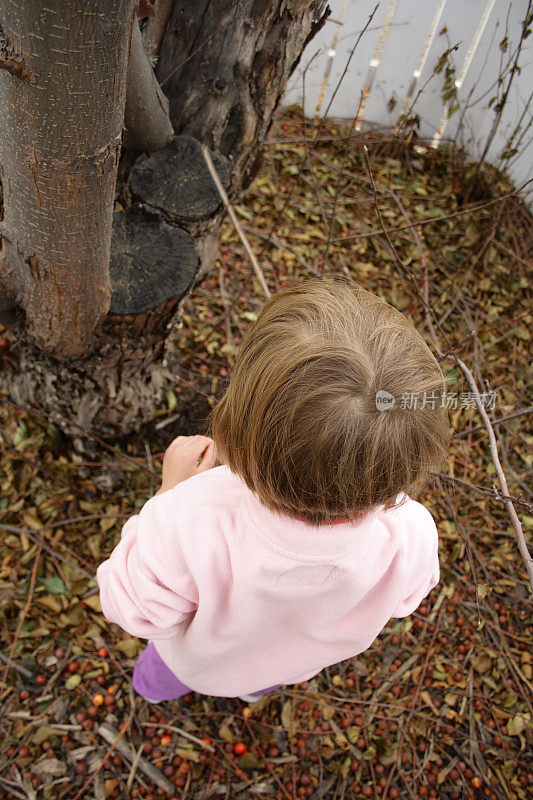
(296, 551)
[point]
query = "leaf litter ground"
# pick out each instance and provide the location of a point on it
(440, 705)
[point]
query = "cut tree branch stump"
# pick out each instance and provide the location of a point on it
(151, 262)
(176, 180)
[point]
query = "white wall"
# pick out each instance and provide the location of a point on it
(401, 50)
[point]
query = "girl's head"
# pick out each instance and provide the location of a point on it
(318, 417)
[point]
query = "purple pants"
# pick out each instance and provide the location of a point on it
(153, 680)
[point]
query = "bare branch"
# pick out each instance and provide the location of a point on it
(522, 545)
(114, 738)
(155, 27)
(233, 216)
(147, 125)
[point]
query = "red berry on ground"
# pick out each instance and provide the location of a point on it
(239, 748)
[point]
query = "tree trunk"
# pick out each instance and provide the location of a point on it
(62, 96)
(223, 65)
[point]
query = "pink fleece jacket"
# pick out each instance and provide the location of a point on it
(237, 598)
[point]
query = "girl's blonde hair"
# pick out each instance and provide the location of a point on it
(299, 421)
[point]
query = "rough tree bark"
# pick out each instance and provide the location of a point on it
(64, 67)
(223, 66)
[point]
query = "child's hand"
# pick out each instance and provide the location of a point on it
(186, 456)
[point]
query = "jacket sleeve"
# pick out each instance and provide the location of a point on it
(420, 561)
(145, 585)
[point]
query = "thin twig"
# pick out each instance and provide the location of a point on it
(271, 239)
(488, 492)
(515, 69)
(149, 459)
(352, 52)
(522, 545)
(418, 687)
(223, 297)
(33, 536)
(23, 671)
(23, 615)
(429, 220)
(133, 770)
(523, 412)
(181, 732)
(113, 737)
(13, 787)
(233, 216)
(181, 64)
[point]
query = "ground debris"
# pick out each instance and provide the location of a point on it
(439, 706)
